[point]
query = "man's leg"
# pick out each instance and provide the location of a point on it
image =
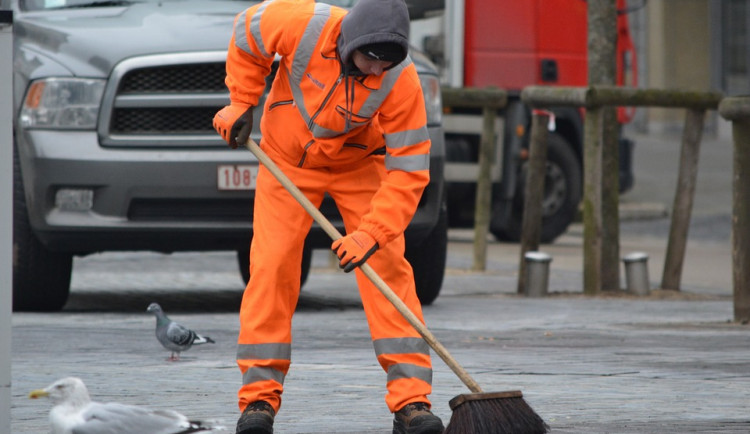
(399, 348)
(280, 226)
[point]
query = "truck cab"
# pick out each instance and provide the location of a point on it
(511, 45)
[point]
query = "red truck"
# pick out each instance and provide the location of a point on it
(511, 45)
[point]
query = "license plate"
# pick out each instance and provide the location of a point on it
(237, 177)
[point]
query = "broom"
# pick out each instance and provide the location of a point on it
(473, 413)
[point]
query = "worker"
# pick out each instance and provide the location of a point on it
(345, 116)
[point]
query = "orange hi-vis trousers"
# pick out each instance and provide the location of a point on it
(280, 226)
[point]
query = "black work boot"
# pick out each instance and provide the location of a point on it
(416, 418)
(256, 419)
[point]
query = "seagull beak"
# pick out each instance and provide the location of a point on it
(38, 393)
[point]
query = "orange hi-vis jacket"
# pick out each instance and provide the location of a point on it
(317, 115)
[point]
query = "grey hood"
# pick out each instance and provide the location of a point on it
(374, 21)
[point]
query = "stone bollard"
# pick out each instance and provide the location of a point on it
(537, 273)
(636, 273)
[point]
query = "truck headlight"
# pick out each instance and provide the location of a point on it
(433, 101)
(69, 103)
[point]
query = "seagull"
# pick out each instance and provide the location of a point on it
(74, 413)
(174, 336)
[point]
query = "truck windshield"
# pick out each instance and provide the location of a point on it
(91, 4)
(40, 5)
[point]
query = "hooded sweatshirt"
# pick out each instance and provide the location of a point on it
(319, 113)
(374, 21)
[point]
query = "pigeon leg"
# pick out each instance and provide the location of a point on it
(174, 357)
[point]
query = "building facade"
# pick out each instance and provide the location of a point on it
(691, 44)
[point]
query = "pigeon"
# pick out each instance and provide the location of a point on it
(73, 412)
(174, 336)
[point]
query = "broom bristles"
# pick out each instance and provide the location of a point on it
(494, 413)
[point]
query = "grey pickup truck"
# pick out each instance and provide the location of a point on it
(114, 147)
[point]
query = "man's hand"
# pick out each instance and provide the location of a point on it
(234, 124)
(354, 249)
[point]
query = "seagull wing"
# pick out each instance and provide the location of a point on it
(115, 418)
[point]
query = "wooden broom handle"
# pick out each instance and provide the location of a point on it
(369, 272)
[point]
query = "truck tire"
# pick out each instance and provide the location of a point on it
(562, 194)
(41, 278)
(243, 259)
(427, 260)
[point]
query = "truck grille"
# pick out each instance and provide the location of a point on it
(132, 121)
(189, 78)
(164, 101)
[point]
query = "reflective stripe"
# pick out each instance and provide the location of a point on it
(322, 132)
(240, 37)
(264, 351)
(376, 98)
(302, 57)
(310, 37)
(259, 373)
(371, 105)
(407, 370)
(255, 29)
(409, 163)
(407, 138)
(303, 54)
(400, 346)
(297, 95)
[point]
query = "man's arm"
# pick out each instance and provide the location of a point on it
(407, 160)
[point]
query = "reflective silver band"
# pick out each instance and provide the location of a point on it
(310, 37)
(264, 351)
(400, 346)
(240, 37)
(409, 163)
(407, 370)
(407, 138)
(255, 29)
(304, 53)
(302, 58)
(260, 373)
(376, 98)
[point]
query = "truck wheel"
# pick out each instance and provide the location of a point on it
(41, 278)
(243, 259)
(562, 194)
(427, 259)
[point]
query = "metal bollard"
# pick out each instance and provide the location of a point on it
(636, 273)
(537, 273)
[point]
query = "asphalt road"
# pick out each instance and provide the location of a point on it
(670, 362)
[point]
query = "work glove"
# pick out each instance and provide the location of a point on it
(354, 249)
(234, 124)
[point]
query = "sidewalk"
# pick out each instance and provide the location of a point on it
(707, 267)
